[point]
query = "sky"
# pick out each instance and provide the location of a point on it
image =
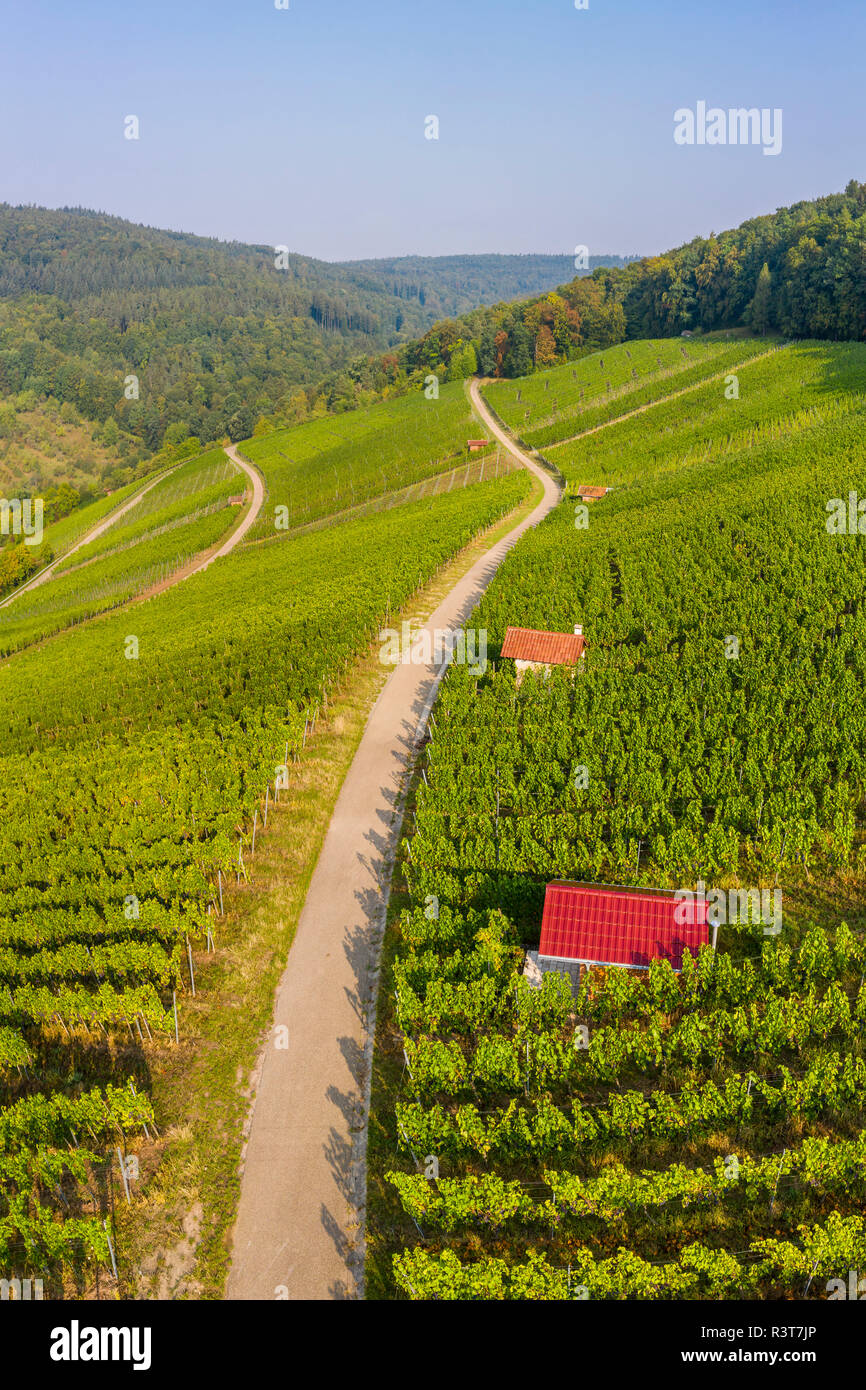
(305, 126)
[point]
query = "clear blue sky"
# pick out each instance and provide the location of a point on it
(306, 127)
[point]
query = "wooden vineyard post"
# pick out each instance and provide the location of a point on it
(191, 971)
(220, 880)
(174, 1010)
(110, 1247)
(123, 1175)
(255, 824)
(740, 1122)
(776, 1184)
(267, 798)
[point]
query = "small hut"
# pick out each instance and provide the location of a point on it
(589, 924)
(534, 650)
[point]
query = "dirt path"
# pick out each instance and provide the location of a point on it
(249, 520)
(299, 1227)
(96, 531)
(194, 566)
(201, 562)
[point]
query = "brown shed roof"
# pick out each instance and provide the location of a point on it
(553, 648)
(585, 490)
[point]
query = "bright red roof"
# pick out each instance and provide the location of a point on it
(620, 926)
(556, 648)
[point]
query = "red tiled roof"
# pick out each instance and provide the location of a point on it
(556, 648)
(618, 926)
(591, 491)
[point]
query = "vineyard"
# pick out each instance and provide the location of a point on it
(184, 514)
(182, 494)
(140, 756)
(656, 1135)
(552, 406)
(338, 462)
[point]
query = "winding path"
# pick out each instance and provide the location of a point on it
(249, 520)
(300, 1220)
(186, 571)
(43, 575)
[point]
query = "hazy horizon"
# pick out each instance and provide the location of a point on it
(310, 255)
(307, 126)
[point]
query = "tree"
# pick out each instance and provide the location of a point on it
(487, 354)
(175, 434)
(517, 360)
(760, 309)
(110, 433)
(545, 347)
(241, 424)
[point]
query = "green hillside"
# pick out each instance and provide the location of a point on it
(335, 463)
(162, 725)
(152, 720)
(554, 404)
(180, 517)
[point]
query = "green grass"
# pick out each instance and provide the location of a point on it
(108, 581)
(780, 394)
(62, 534)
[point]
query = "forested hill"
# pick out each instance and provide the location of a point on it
(452, 285)
(76, 254)
(217, 334)
(800, 271)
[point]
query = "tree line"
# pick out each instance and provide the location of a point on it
(800, 271)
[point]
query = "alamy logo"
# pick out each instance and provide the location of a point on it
(426, 648)
(20, 1290)
(77, 1343)
(846, 518)
(19, 518)
(854, 1289)
(736, 907)
(737, 126)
